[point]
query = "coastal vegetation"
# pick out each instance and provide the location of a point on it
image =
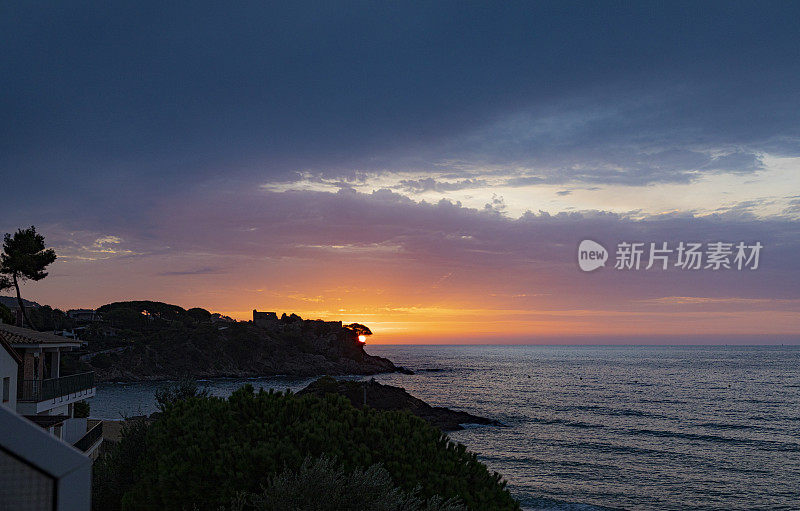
(323, 485)
(209, 453)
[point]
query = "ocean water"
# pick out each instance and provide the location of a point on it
(601, 427)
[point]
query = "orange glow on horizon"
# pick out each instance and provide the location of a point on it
(417, 307)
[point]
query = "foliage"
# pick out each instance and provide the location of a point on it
(6, 316)
(24, 257)
(116, 471)
(101, 361)
(72, 364)
(359, 329)
(203, 451)
(184, 389)
(199, 315)
(48, 319)
(82, 409)
(156, 310)
(322, 485)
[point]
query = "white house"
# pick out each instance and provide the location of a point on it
(42, 394)
(9, 366)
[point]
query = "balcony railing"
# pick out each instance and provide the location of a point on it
(43, 390)
(90, 438)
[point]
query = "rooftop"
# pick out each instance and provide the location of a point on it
(6, 346)
(15, 335)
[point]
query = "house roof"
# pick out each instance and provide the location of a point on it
(14, 335)
(11, 351)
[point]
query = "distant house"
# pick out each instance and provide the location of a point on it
(88, 315)
(30, 365)
(264, 319)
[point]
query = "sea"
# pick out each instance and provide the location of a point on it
(590, 428)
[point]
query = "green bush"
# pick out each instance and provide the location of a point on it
(116, 471)
(82, 409)
(204, 451)
(321, 485)
(6, 316)
(102, 361)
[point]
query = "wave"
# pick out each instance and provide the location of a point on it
(545, 504)
(574, 424)
(762, 444)
(724, 426)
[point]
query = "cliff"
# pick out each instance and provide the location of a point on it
(388, 397)
(154, 341)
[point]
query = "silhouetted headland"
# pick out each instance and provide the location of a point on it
(144, 340)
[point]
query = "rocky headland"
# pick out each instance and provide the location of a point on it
(138, 341)
(388, 397)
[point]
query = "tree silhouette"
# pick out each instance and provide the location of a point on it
(358, 329)
(24, 258)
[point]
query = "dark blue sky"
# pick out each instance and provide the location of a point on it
(149, 95)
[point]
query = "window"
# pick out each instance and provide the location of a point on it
(6, 389)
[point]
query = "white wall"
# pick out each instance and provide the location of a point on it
(8, 369)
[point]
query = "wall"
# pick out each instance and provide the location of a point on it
(8, 369)
(73, 430)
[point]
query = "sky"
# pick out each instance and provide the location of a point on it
(425, 168)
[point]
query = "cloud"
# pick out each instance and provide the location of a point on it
(381, 252)
(547, 96)
(430, 184)
(208, 270)
(382, 232)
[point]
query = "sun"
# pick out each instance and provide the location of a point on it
(362, 339)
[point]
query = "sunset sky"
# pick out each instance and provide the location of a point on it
(427, 169)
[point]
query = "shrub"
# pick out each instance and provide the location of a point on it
(321, 485)
(6, 316)
(181, 390)
(114, 472)
(82, 409)
(102, 361)
(204, 451)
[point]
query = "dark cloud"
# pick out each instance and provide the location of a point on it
(116, 106)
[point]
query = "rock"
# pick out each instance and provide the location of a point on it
(387, 397)
(303, 348)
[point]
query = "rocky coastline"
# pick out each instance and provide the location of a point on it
(149, 341)
(387, 397)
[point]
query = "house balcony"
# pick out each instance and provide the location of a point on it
(37, 396)
(90, 441)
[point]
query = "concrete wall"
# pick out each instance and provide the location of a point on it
(73, 430)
